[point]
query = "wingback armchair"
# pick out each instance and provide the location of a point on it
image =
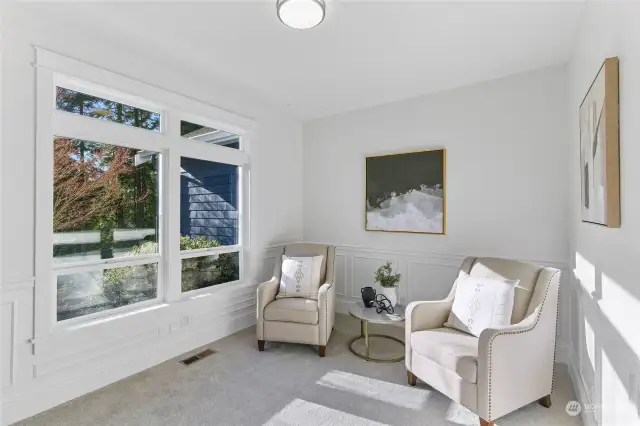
(298, 320)
(505, 368)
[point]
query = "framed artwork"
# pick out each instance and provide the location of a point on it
(405, 192)
(600, 148)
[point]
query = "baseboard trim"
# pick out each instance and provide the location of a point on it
(36, 400)
(588, 416)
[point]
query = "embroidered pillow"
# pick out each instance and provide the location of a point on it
(481, 303)
(300, 277)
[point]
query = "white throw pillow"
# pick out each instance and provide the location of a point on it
(481, 303)
(300, 277)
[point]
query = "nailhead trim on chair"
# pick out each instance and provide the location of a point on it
(553, 378)
(506, 333)
(326, 299)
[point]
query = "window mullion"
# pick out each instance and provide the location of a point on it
(186, 254)
(113, 263)
(210, 152)
(172, 261)
(88, 128)
(45, 291)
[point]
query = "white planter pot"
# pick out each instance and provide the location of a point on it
(391, 294)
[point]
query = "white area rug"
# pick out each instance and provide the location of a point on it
(287, 385)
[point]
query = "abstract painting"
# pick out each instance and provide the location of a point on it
(405, 192)
(599, 148)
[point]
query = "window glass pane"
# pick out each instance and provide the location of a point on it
(209, 134)
(89, 292)
(105, 201)
(207, 271)
(208, 204)
(104, 109)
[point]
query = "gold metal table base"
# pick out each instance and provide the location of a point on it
(364, 334)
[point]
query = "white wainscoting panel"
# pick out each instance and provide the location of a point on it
(341, 275)
(7, 340)
(425, 276)
(16, 324)
(38, 375)
(427, 281)
(364, 268)
(63, 366)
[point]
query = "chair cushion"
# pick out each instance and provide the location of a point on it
(505, 269)
(304, 311)
(452, 349)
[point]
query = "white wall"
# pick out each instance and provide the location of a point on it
(506, 183)
(606, 296)
(72, 363)
(506, 155)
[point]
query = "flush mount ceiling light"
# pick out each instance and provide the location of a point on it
(301, 14)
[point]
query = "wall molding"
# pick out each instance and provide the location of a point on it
(13, 312)
(39, 398)
(111, 350)
(555, 263)
(347, 280)
(437, 271)
(579, 388)
(16, 285)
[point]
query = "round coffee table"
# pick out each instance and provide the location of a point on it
(369, 315)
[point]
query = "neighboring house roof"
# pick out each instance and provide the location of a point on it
(200, 132)
(208, 134)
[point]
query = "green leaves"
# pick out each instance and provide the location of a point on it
(197, 242)
(385, 276)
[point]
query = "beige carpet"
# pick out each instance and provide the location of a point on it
(285, 385)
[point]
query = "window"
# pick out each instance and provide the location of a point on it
(129, 218)
(92, 106)
(206, 134)
(206, 271)
(105, 206)
(105, 201)
(209, 203)
(86, 293)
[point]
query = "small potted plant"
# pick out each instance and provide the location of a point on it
(388, 281)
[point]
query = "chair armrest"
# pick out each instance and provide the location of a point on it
(427, 314)
(424, 315)
(515, 364)
(265, 294)
(326, 311)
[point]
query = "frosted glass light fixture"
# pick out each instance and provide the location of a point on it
(301, 14)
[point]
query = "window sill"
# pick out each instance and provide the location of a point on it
(108, 316)
(213, 290)
(145, 307)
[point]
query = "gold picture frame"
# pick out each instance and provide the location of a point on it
(599, 114)
(405, 192)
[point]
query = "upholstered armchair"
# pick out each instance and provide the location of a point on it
(298, 320)
(505, 368)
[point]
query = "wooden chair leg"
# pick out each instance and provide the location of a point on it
(545, 401)
(411, 378)
(486, 423)
(261, 345)
(322, 351)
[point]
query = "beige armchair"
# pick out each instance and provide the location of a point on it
(298, 320)
(505, 368)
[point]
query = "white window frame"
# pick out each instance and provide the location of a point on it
(57, 70)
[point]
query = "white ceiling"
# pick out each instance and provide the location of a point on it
(363, 54)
